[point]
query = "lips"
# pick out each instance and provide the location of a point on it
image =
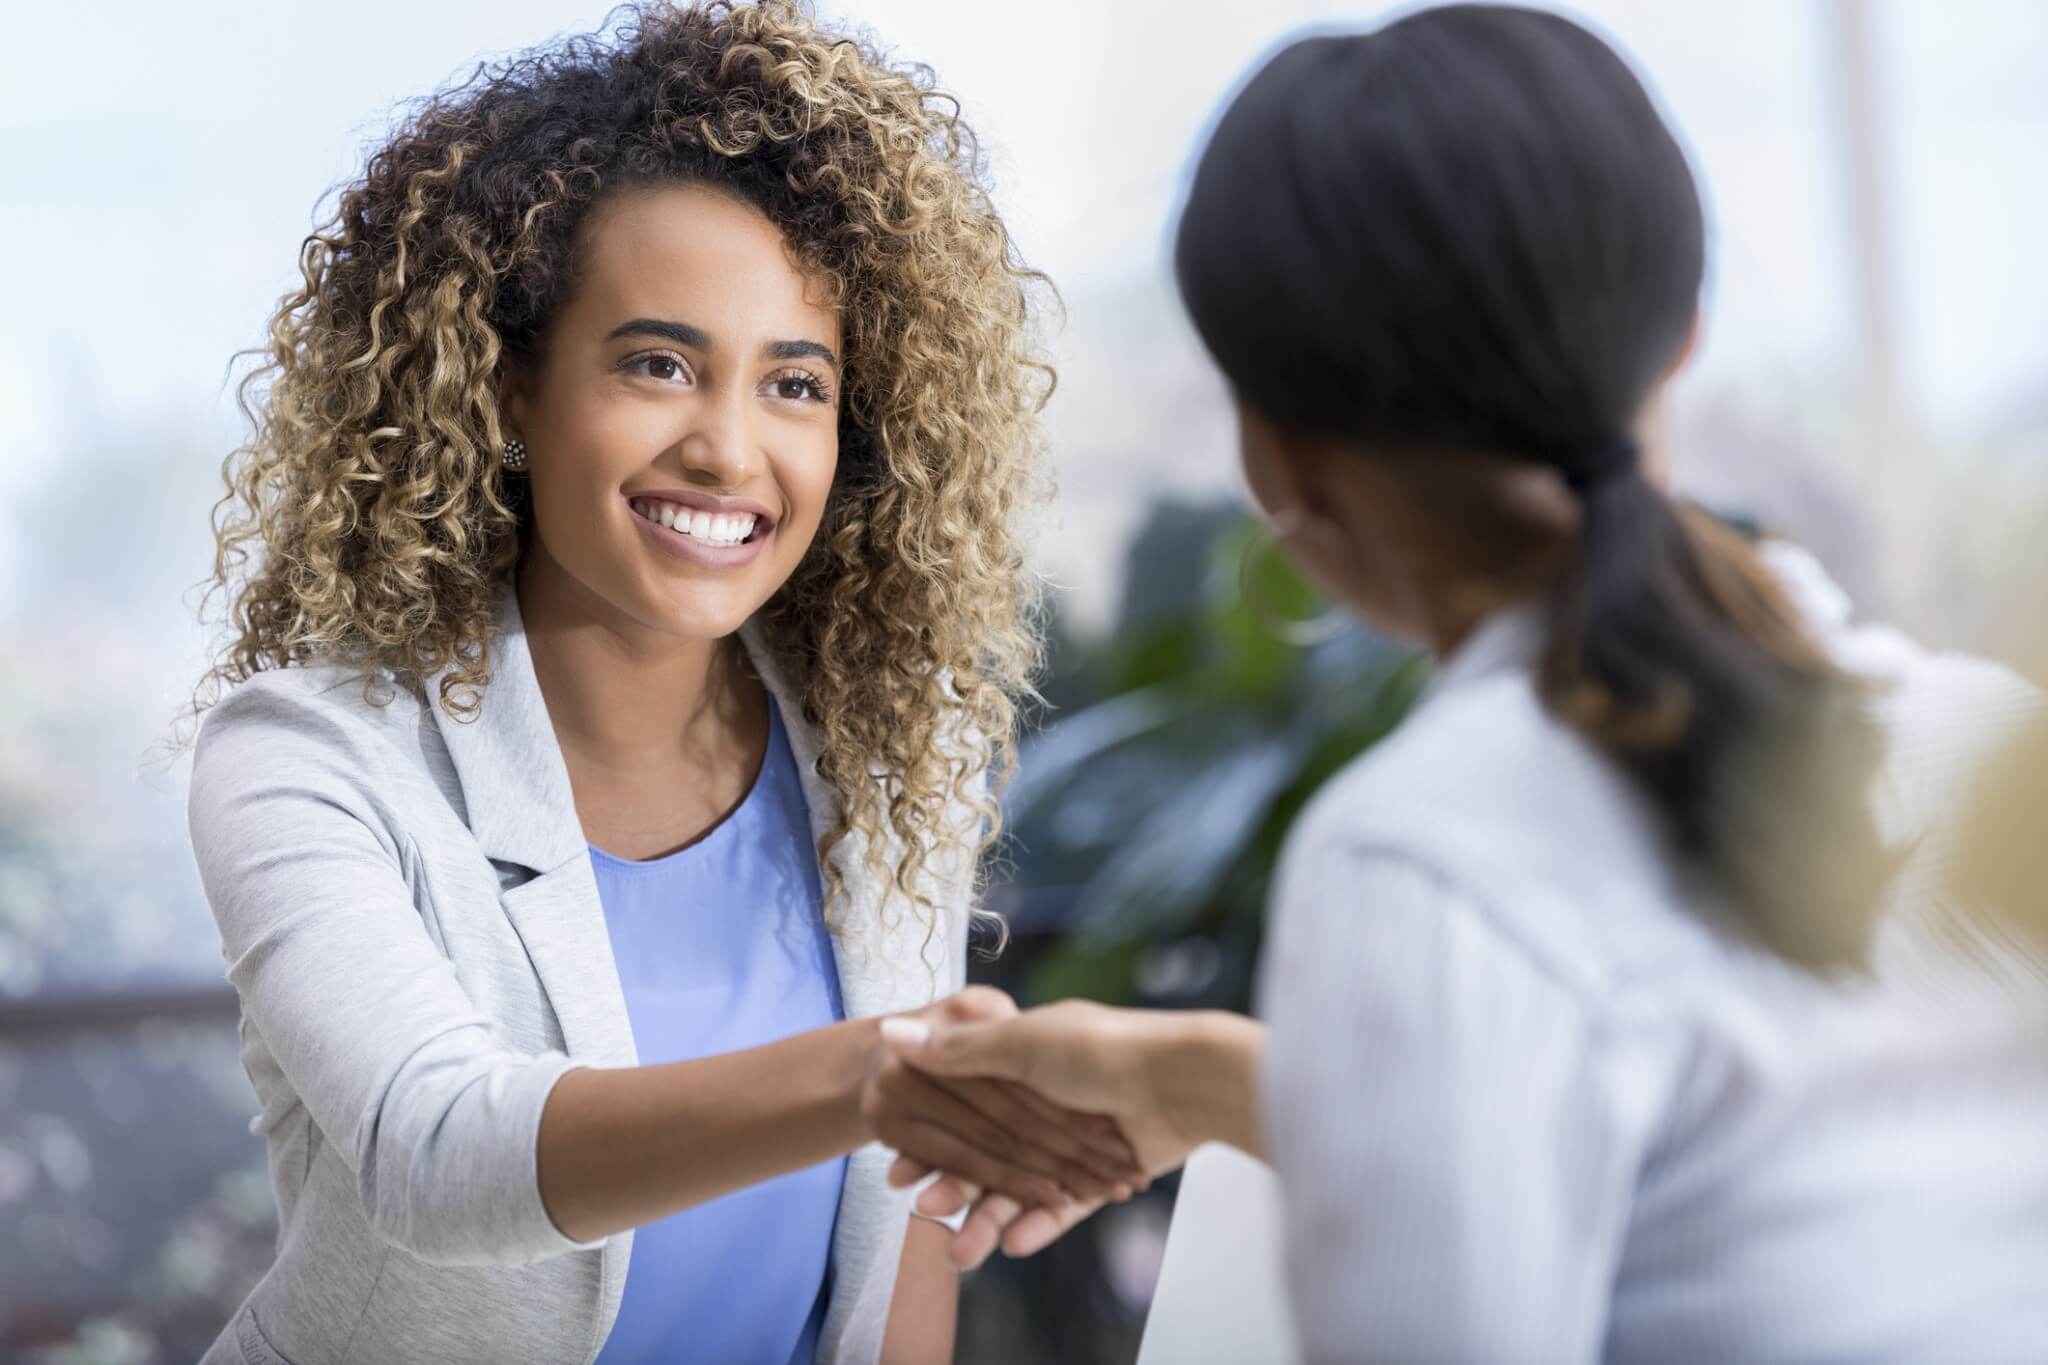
(711, 504)
(707, 536)
(713, 528)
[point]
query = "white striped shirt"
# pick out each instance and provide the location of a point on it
(1528, 1103)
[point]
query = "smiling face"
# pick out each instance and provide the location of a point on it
(683, 429)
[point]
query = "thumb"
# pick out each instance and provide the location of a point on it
(985, 1049)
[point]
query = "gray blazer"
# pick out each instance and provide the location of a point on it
(408, 912)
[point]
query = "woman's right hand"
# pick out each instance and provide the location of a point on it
(989, 1130)
(1080, 1055)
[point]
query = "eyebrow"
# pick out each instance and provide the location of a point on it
(683, 334)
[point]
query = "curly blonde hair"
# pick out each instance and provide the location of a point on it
(373, 483)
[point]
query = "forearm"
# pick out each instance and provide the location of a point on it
(624, 1146)
(1204, 1074)
(924, 1313)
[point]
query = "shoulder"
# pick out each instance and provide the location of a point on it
(325, 727)
(1924, 694)
(1521, 830)
(313, 702)
(1487, 773)
(1943, 712)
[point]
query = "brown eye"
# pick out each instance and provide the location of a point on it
(662, 366)
(796, 386)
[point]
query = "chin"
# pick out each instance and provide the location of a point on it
(691, 616)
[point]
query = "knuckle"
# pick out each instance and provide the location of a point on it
(980, 1002)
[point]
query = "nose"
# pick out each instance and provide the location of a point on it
(717, 447)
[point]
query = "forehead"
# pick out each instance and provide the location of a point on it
(697, 255)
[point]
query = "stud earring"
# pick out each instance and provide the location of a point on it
(515, 454)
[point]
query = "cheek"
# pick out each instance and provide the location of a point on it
(1256, 460)
(570, 501)
(806, 478)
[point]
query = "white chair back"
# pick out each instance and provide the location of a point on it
(1221, 1299)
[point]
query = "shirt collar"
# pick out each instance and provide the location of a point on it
(1510, 638)
(1513, 637)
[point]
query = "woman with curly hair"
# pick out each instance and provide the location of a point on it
(625, 622)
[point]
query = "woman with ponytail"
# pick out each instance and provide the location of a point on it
(1596, 1022)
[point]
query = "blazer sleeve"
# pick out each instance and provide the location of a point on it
(1457, 1132)
(339, 978)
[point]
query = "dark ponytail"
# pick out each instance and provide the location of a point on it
(1471, 231)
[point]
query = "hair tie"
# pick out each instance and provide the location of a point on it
(1609, 459)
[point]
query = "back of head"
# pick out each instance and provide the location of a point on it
(1470, 231)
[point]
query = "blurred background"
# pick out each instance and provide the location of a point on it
(1873, 381)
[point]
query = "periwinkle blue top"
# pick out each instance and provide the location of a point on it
(722, 946)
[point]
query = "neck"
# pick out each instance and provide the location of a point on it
(1441, 543)
(625, 697)
(1450, 622)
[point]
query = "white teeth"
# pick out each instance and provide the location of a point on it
(712, 529)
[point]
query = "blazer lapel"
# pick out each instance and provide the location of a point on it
(523, 812)
(862, 950)
(521, 809)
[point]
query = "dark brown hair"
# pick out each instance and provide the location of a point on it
(1471, 231)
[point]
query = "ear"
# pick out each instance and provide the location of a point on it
(513, 389)
(1692, 344)
(1652, 424)
(1283, 471)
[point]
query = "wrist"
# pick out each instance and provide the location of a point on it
(849, 1108)
(1207, 1076)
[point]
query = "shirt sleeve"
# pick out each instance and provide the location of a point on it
(437, 1117)
(1456, 1131)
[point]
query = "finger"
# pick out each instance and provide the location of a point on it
(949, 1153)
(1100, 1131)
(978, 1003)
(946, 1104)
(905, 1172)
(946, 1196)
(1081, 1168)
(982, 1233)
(999, 1048)
(1036, 1229)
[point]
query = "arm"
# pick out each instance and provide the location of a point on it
(338, 976)
(1206, 1078)
(624, 1146)
(1456, 1130)
(926, 1306)
(1180, 1078)
(452, 1134)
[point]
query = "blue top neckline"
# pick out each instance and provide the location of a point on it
(717, 831)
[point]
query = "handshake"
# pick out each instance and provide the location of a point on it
(1032, 1121)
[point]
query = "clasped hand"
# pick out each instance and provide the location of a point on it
(1033, 1121)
